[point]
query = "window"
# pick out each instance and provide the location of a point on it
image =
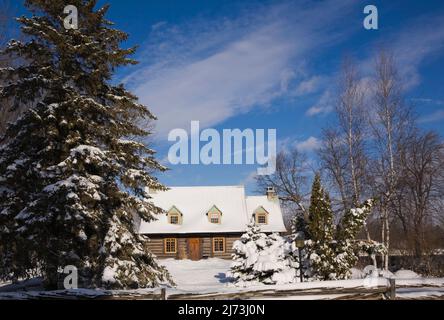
(261, 218)
(214, 215)
(215, 218)
(174, 219)
(174, 216)
(261, 215)
(218, 245)
(170, 245)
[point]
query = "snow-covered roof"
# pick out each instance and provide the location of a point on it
(194, 203)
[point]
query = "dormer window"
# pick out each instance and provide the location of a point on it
(215, 218)
(174, 216)
(261, 216)
(174, 219)
(214, 215)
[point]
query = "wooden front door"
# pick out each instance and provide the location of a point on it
(194, 252)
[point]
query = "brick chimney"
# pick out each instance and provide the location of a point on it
(271, 194)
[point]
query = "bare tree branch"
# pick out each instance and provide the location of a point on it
(290, 179)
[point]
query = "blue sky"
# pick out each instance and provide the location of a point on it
(269, 64)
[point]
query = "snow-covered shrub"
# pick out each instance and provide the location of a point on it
(320, 260)
(259, 258)
(371, 248)
(346, 248)
(356, 274)
(386, 274)
(406, 274)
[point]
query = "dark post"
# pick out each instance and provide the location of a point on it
(162, 294)
(300, 265)
(300, 245)
(392, 294)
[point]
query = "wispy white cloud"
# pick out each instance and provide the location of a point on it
(310, 85)
(323, 106)
(419, 42)
(433, 117)
(309, 145)
(158, 25)
(427, 101)
(412, 46)
(211, 71)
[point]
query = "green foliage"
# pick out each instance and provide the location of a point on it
(320, 224)
(347, 248)
(331, 250)
(321, 231)
(72, 174)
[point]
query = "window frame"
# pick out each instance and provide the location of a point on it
(261, 215)
(216, 240)
(260, 211)
(173, 211)
(214, 212)
(215, 215)
(173, 215)
(166, 242)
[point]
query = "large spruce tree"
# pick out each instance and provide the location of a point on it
(72, 174)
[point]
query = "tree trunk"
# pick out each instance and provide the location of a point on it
(382, 237)
(385, 234)
(51, 278)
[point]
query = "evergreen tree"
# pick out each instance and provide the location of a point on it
(72, 173)
(320, 224)
(347, 248)
(259, 258)
(321, 232)
(330, 252)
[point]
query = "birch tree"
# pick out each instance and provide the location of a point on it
(391, 123)
(344, 152)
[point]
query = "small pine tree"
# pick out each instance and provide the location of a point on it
(321, 232)
(72, 174)
(320, 224)
(259, 258)
(245, 254)
(347, 248)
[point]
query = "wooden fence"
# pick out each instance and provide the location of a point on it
(377, 292)
(380, 291)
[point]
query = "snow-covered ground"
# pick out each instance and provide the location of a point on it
(420, 293)
(202, 275)
(208, 277)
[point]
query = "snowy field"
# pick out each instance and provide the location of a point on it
(202, 275)
(208, 277)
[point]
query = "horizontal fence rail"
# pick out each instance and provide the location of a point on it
(384, 289)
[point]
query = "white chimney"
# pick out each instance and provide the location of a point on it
(271, 194)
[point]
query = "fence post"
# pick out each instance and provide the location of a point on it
(392, 293)
(162, 294)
